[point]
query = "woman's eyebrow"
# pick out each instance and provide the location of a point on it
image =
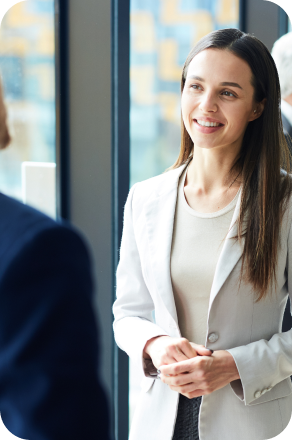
(225, 83)
(231, 84)
(195, 77)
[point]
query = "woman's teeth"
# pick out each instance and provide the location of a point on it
(208, 124)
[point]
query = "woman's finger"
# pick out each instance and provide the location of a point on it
(180, 349)
(178, 380)
(179, 367)
(187, 348)
(178, 354)
(201, 350)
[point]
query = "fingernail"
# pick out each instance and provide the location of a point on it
(158, 372)
(159, 375)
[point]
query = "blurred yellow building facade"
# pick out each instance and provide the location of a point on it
(27, 68)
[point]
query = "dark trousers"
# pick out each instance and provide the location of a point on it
(187, 421)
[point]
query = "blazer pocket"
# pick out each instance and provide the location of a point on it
(282, 389)
(146, 384)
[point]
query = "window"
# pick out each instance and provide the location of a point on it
(27, 66)
(162, 32)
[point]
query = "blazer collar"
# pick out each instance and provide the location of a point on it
(229, 256)
(159, 213)
(170, 181)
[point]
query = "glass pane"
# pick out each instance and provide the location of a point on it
(162, 34)
(27, 66)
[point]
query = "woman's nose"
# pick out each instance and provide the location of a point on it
(208, 103)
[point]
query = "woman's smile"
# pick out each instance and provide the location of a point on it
(207, 125)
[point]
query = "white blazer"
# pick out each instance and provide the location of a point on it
(256, 407)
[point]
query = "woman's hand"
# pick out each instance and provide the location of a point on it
(201, 375)
(164, 350)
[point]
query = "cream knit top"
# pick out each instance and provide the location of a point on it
(196, 245)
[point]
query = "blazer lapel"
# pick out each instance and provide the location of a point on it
(159, 213)
(230, 254)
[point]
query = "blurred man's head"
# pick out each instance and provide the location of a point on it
(282, 54)
(4, 133)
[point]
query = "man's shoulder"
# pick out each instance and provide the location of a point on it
(17, 218)
(10, 208)
(21, 224)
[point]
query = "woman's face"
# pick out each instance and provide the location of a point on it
(217, 99)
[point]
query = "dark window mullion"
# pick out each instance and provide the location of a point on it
(121, 171)
(62, 116)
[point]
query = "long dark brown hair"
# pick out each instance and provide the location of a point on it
(264, 151)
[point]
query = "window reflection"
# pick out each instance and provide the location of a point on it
(27, 67)
(162, 34)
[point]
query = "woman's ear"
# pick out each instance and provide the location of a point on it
(258, 109)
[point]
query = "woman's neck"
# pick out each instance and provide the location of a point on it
(209, 171)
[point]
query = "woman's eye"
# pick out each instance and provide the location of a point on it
(196, 87)
(226, 93)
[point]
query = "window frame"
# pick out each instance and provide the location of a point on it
(121, 182)
(62, 102)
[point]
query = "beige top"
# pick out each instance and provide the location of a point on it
(196, 245)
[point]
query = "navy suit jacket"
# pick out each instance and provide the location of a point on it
(49, 388)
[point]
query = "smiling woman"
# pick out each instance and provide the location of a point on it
(209, 95)
(207, 247)
(212, 104)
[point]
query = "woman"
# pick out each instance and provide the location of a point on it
(205, 265)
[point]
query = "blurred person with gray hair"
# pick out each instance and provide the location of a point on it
(49, 354)
(282, 54)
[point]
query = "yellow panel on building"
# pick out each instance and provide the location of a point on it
(18, 17)
(228, 11)
(171, 14)
(170, 105)
(168, 69)
(143, 32)
(142, 79)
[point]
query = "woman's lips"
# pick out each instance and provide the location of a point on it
(207, 130)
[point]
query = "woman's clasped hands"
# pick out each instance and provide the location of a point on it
(189, 368)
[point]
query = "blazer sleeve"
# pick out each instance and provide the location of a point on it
(133, 308)
(265, 363)
(49, 388)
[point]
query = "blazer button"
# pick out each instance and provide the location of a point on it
(213, 337)
(257, 394)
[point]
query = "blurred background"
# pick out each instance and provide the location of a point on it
(27, 64)
(93, 96)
